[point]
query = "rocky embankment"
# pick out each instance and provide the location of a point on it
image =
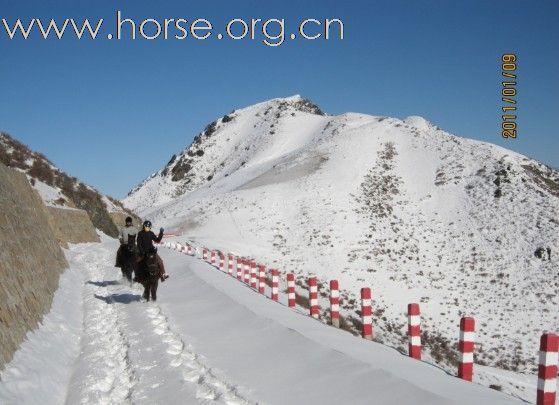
(30, 261)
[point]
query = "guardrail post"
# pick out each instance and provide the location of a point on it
(547, 371)
(291, 290)
(414, 331)
(261, 279)
(230, 265)
(313, 297)
(366, 314)
(466, 348)
(275, 284)
(335, 303)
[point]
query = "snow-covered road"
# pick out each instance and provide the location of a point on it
(208, 338)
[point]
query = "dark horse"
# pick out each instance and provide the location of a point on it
(148, 274)
(129, 259)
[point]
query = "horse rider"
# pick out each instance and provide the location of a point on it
(145, 239)
(127, 238)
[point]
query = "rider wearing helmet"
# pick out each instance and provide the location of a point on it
(127, 238)
(145, 239)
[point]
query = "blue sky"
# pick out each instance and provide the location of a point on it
(112, 112)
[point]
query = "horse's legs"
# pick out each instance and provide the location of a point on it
(127, 271)
(135, 265)
(146, 290)
(154, 284)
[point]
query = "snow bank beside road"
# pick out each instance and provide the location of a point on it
(40, 370)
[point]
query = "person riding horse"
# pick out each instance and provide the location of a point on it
(127, 251)
(151, 268)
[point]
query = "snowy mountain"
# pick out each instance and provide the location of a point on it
(420, 215)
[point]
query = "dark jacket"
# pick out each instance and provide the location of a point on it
(145, 241)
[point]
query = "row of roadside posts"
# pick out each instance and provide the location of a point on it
(254, 274)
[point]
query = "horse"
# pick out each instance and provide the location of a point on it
(128, 261)
(148, 274)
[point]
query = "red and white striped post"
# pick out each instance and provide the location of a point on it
(275, 284)
(205, 254)
(291, 290)
(247, 271)
(221, 261)
(213, 257)
(239, 268)
(466, 348)
(261, 279)
(253, 275)
(414, 331)
(547, 370)
(366, 314)
(313, 297)
(230, 265)
(335, 303)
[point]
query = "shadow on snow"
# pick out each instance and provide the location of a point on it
(103, 283)
(125, 298)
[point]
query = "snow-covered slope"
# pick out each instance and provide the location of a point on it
(416, 213)
(57, 188)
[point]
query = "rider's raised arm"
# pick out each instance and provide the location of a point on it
(159, 237)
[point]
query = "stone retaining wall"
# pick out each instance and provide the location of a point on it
(31, 261)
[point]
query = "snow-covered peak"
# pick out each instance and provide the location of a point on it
(295, 97)
(237, 140)
(418, 122)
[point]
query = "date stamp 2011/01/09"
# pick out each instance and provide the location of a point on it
(508, 93)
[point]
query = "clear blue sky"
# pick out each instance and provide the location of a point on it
(112, 112)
